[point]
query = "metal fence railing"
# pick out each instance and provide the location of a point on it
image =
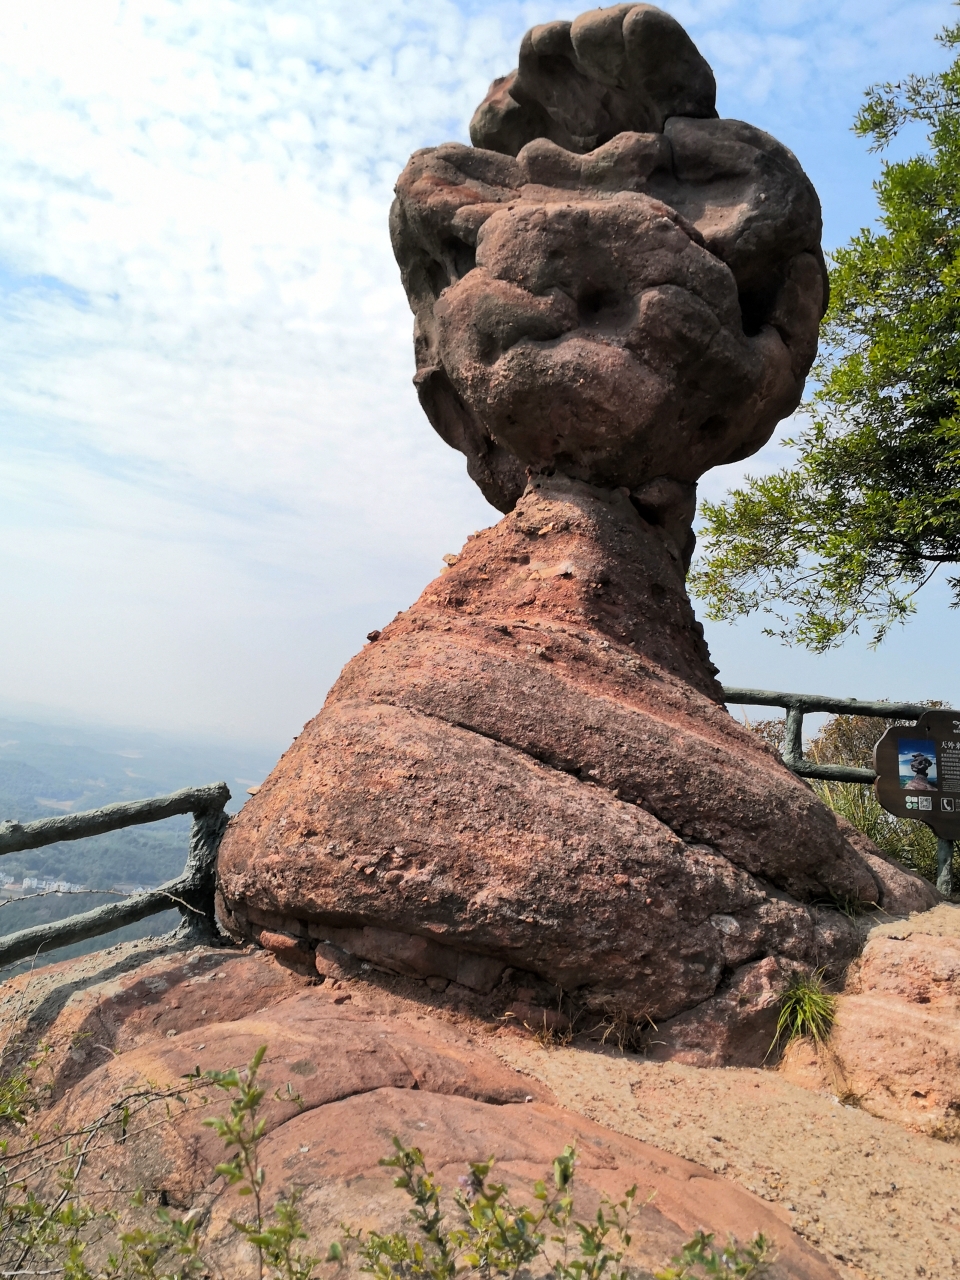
(191, 892)
(797, 705)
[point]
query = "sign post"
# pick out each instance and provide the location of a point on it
(918, 776)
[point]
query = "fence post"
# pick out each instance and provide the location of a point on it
(945, 867)
(197, 909)
(192, 893)
(793, 737)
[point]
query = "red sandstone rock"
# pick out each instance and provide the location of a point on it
(737, 1025)
(345, 1140)
(292, 952)
(532, 767)
(580, 83)
(357, 1077)
(406, 953)
(115, 1001)
(902, 891)
(895, 1046)
(630, 316)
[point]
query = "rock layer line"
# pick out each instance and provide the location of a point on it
(533, 767)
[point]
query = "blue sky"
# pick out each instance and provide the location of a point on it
(214, 474)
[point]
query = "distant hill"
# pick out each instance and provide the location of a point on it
(48, 768)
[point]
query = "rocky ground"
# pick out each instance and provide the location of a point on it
(879, 1199)
(895, 1045)
(775, 1149)
(855, 1144)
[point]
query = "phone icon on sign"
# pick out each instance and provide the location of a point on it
(946, 804)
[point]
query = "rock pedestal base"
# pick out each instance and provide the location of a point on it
(533, 768)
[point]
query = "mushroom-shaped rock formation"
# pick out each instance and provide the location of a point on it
(636, 294)
(533, 767)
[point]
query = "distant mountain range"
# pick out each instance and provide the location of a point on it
(48, 768)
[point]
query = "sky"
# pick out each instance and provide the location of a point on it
(215, 478)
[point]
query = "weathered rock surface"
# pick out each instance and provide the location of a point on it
(532, 768)
(634, 315)
(357, 1076)
(581, 83)
(115, 1001)
(902, 892)
(895, 1046)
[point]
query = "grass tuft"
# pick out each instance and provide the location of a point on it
(806, 1009)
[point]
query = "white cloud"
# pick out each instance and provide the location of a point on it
(215, 476)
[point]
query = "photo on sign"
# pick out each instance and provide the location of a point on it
(918, 764)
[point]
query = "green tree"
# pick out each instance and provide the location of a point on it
(869, 509)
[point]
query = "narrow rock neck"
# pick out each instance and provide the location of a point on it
(576, 556)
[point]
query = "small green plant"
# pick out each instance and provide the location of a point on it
(499, 1238)
(806, 1009)
(146, 1253)
(20, 1091)
(47, 1226)
(276, 1237)
(700, 1258)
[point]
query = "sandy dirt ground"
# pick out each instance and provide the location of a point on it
(881, 1200)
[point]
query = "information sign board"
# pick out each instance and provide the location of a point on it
(918, 771)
